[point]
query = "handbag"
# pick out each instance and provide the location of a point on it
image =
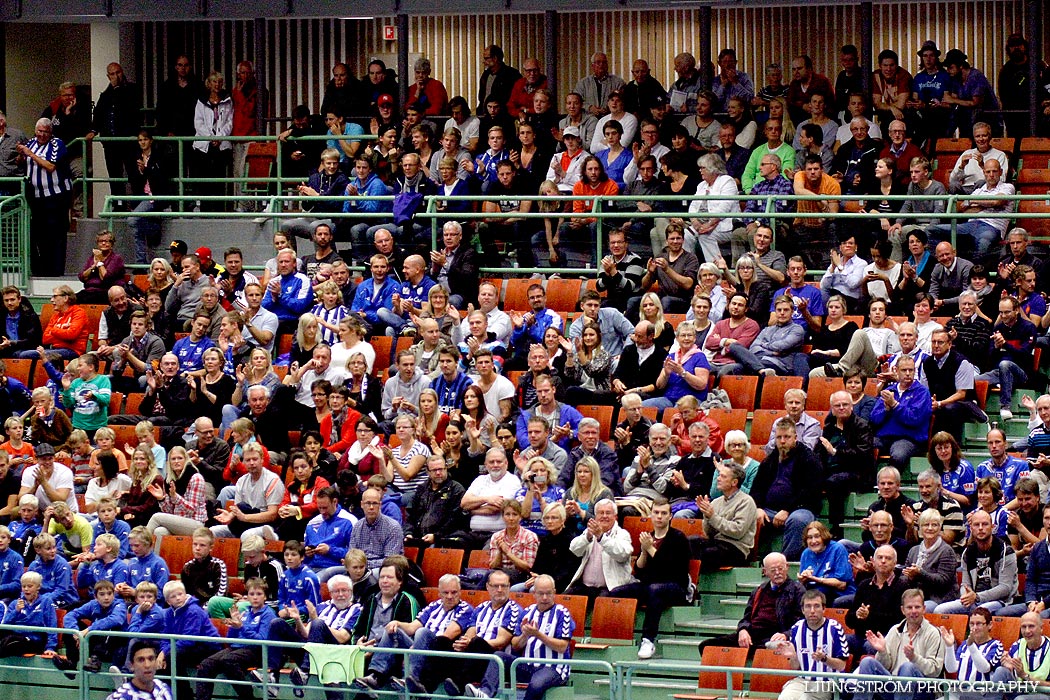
(406, 204)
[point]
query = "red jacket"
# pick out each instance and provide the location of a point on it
(305, 502)
(347, 434)
(68, 330)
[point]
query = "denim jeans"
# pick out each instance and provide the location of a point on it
(1005, 376)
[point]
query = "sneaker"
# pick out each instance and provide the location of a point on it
(298, 676)
(408, 332)
(647, 649)
(93, 665)
(448, 687)
(63, 664)
(473, 691)
(767, 372)
(1006, 414)
(371, 682)
(415, 687)
(261, 675)
(832, 370)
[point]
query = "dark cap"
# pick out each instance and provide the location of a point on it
(44, 449)
(615, 93)
(178, 246)
(385, 101)
(929, 45)
(660, 101)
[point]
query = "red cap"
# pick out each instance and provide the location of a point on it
(385, 101)
(203, 253)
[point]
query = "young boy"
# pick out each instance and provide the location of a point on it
(21, 452)
(70, 529)
(298, 584)
(146, 617)
(106, 566)
(57, 577)
(80, 452)
(105, 612)
(145, 567)
(204, 576)
(257, 564)
(185, 616)
(12, 567)
(234, 662)
(105, 443)
(27, 526)
(108, 524)
(144, 433)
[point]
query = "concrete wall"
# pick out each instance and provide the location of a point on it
(38, 57)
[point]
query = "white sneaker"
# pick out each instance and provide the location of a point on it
(767, 372)
(1006, 414)
(473, 691)
(647, 649)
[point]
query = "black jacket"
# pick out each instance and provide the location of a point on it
(854, 448)
(462, 273)
(30, 331)
(501, 87)
(805, 474)
(156, 174)
(437, 512)
(117, 111)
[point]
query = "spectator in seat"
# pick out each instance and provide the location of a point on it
(932, 496)
(969, 332)
(22, 332)
(950, 378)
(66, 332)
(951, 275)
(807, 302)
(932, 563)
(1006, 468)
(1013, 338)
(640, 363)
(590, 445)
(901, 418)
(729, 521)
(435, 517)
(1017, 242)
(31, 609)
(102, 271)
(257, 498)
(913, 648)
(773, 350)
(138, 349)
(605, 541)
(185, 294)
(806, 653)
(985, 233)
(455, 267)
(185, 616)
(378, 535)
(783, 487)
(920, 183)
(622, 270)
(376, 292)
(989, 570)
(675, 269)
(969, 174)
(288, 294)
(772, 608)
(845, 450)
(814, 234)
(649, 474)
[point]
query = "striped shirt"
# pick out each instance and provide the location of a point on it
(332, 316)
(829, 638)
(436, 618)
(41, 182)
(992, 650)
(337, 619)
(489, 621)
(555, 622)
(450, 394)
(128, 691)
(1039, 441)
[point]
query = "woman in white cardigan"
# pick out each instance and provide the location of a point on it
(605, 539)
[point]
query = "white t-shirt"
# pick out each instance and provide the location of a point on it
(502, 388)
(114, 488)
(925, 333)
(883, 340)
(340, 355)
(470, 129)
(876, 289)
(266, 491)
(484, 487)
(61, 478)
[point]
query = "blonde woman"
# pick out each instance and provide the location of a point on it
(652, 310)
(183, 508)
(307, 336)
(147, 489)
(778, 110)
(538, 491)
(352, 340)
(586, 490)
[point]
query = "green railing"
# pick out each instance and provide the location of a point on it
(14, 236)
(604, 209)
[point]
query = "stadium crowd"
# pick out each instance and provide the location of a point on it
(284, 406)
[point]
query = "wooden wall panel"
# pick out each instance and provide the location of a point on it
(302, 51)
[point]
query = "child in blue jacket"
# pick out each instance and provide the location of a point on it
(253, 623)
(105, 612)
(185, 616)
(32, 609)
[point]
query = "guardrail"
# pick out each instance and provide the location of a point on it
(602, 208)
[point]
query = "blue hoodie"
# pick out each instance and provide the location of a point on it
(39, 613)
(368, 301)
(150, 622)
(116, 572)
(299, 585)
(254, 625)
(191, 620)
(58, 579)
(11, 569)
(334, 532)
(372, 187)
(148, 568)
(115, 617)
(120, 528)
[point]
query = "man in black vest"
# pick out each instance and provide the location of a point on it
(950, 378)
(115, 323)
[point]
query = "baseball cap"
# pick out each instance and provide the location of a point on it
(571, 131)
(204, 253)
(660, 101)
(385, 101)
(44, 449)
(178, 246)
